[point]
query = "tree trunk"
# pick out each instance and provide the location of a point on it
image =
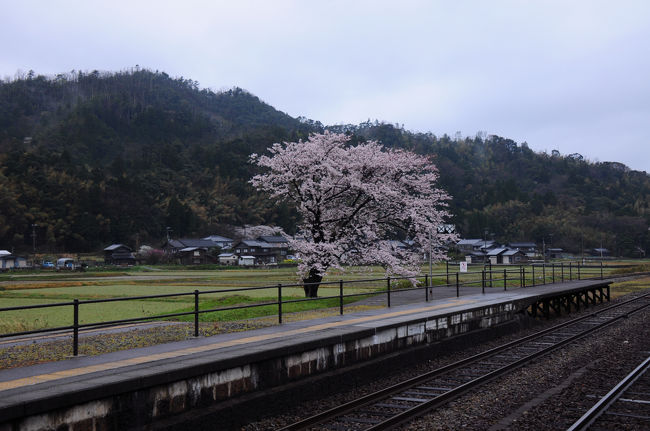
(311, 283)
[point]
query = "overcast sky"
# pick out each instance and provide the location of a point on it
(567, 75)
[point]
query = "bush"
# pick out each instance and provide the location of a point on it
(405, 284)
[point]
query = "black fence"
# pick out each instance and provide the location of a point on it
(485, 277)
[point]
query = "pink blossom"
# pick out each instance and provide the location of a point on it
(353, 199)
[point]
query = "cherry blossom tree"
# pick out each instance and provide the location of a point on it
(353, 199)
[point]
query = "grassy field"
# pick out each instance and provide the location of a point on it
(22, 289)
(624, 287)
(46, 288)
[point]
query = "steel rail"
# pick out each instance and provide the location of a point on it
(454, 393)
(610, 398)
(419, 410)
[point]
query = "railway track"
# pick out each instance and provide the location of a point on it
(400, 403)
(626, 406)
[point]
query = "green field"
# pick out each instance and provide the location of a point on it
(22, 289)
(46, 288)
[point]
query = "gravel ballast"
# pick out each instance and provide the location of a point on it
(548, 394)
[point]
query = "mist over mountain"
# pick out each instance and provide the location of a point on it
(97, 158)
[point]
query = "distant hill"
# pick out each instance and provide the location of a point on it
(95, 158)
(517, 194)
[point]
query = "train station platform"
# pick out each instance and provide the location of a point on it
(140, 388)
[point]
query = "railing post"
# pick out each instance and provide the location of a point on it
(523, 276)
(426, 287)
(601, 269)
(533, 266)
(457, 287)
(388, 291)
(280, 303)
(491, 274)
(562, 268)
(570, 271)
(505, 277)
(483, 280)
(196, 313)
(544, 273)
(553, 272)
(578, 271)
(447, 271)
(341, 297)
(75, 329)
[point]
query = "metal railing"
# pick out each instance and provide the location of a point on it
(489, 277)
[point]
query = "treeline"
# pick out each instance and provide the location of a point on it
(516, 194)
(95, 158)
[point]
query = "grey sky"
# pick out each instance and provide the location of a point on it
(567, 75)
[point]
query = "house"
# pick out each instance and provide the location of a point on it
(476, 250)
(189, 251)
(228, 259)
(193, 256)
(554, 253)
(278, 242)
(220, 241)
(174, 246)
(274, 239)
(264, 252)
(118, 254)
(601, 252)
(506, 256)
(476, 257)
(470, 245)
(495, 255)
(529, 248)
(514, 257)
(9, 261)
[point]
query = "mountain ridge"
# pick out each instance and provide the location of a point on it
(95, 158)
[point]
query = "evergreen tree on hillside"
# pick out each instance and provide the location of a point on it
(96, 157)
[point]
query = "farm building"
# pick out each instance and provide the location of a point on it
(118, 254)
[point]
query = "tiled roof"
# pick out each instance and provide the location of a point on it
(272, 238)
(469, 241)
(191, 242)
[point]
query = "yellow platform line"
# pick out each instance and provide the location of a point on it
(17, 383)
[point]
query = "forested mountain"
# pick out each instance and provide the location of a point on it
(95, 158)
(516, 194)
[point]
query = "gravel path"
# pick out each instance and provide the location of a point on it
(549, 394)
